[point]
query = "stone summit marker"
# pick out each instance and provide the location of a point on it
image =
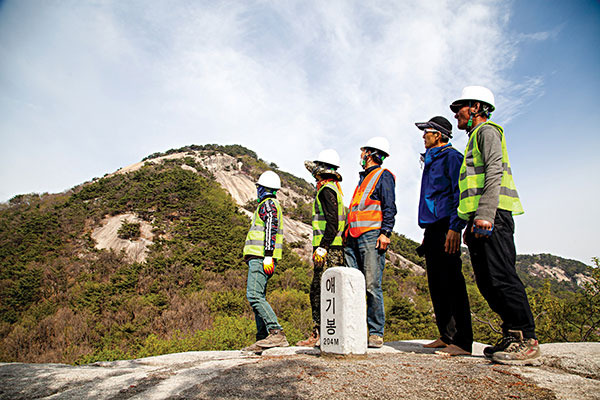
(343, 311)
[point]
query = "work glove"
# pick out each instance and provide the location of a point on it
(268, 265)
(319, 255)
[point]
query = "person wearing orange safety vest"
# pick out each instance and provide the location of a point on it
(369, 226)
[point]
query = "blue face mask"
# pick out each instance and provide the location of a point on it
(261, 192)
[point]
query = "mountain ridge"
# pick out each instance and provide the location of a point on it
(147, 260)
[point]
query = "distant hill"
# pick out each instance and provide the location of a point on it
(568, 274)
(148, 260)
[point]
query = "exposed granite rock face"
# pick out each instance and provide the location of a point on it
(228, 172)
(398, 370)
(106, 237)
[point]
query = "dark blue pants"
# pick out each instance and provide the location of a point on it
(447, 288)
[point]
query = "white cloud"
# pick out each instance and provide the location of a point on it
(86, 88)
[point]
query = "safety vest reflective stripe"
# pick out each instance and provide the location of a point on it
(364, 224)
(372, 207)
(319, 217)
(261, 228)
(255, 240)
(472, 178)
(471, 170)
(504, 191)
(261, 243)
(319, 223)
(365, 213)
(368, 189)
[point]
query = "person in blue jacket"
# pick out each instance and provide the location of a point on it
(441, 243)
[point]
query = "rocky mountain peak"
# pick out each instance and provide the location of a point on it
(238, 179)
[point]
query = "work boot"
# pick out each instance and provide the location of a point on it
(519, 352)
(312, 341)
(503, 343)
(375, 341)
(253, 348)
(276, 338)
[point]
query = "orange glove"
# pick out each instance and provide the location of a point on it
(268, 265)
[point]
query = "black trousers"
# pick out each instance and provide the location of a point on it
(493, 262)
(447, 288)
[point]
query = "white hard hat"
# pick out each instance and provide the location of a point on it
(474, 93)
(378, 143)
(329, 156)
(269, 179)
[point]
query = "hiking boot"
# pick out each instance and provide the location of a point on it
(253, 348)
(312, 341)
(375, 341)
(522, 352)
(503, 343)
(276, 338)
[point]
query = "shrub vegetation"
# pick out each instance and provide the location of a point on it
(62, 300)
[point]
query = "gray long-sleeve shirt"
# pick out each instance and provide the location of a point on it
(489, 141)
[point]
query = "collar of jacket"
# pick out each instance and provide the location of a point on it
(435, 152)
(475, 127)
(368, 170)
(325, 181)
(267, 196)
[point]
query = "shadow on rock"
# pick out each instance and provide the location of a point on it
(410, 347)
(273, 379)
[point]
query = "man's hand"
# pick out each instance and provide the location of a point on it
(452, 241)
(319, 255)
(482, 224)
(382, 242)
(268, 265)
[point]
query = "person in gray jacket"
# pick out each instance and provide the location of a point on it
(488, 201)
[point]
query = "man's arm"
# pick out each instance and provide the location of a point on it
(268, 213)
(455, 160)
(386, 190)
(490, 146)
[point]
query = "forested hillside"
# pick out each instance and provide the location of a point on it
(64, 298)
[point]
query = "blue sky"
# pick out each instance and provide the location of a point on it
(87, 87)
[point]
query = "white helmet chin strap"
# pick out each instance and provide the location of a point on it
(375, 156)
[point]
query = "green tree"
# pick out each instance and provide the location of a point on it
(129, 230)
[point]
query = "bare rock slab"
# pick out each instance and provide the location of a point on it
(398, 370)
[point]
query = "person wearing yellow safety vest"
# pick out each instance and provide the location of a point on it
(488, 201)
(328, 222)
(369, 226)
(263, 247)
